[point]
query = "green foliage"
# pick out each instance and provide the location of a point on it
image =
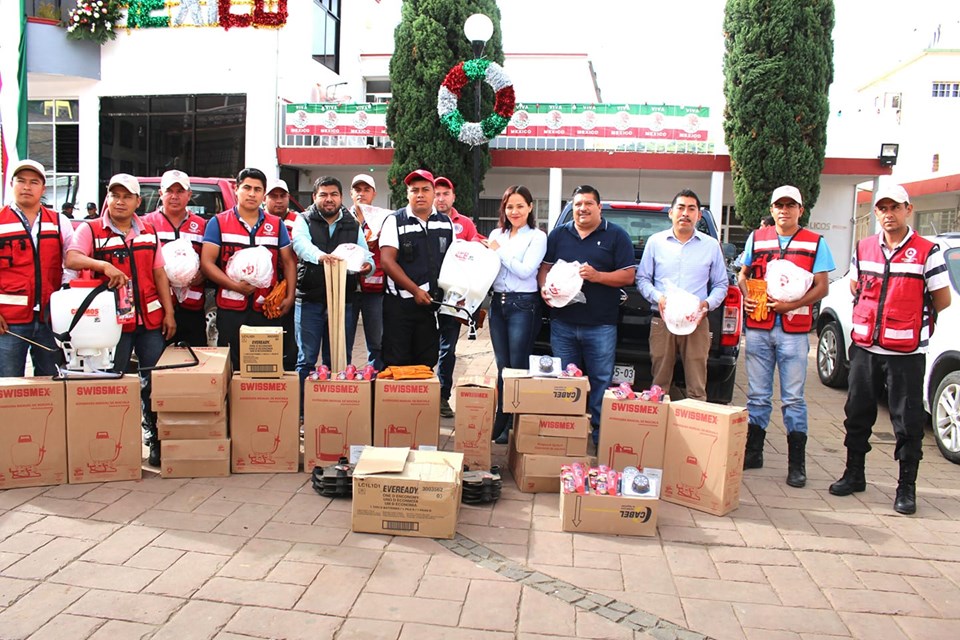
(429, 41)
(778, 68)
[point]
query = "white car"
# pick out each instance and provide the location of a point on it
(941, 383)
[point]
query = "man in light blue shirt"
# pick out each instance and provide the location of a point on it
(682, 258)
(324, 226)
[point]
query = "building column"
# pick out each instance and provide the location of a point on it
(88, 102)
(555, 196)
(716, 204)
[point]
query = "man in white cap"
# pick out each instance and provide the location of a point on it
(123, 248)
(899, 283)
(277, 202)
(33, 241)
(780, 340)
(413, 242)
(369, 302)
(173, 220)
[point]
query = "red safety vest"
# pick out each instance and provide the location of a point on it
(135, 259)
(893, 290)
(191, 229)
(801, 250)
(373, 282)
(28, 273)
(235, 236)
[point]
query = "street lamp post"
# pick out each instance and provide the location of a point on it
(478, 28)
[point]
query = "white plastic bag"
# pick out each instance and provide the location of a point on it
(353, 254)
(181, 262)
(786, 281)
(253, 265)
(681, 311)
(563, 283)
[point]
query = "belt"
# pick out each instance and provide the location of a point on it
(505, 294)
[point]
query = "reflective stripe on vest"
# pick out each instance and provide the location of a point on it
(135, 260)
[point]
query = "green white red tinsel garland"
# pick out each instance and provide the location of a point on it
(475, 133)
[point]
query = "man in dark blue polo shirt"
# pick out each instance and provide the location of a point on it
(586, 334)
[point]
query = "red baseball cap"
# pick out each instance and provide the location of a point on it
(419, 174)
(441, 180)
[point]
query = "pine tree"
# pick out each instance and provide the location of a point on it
(429, 41)
(778, 68)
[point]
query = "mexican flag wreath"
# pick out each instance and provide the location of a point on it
(474, 133)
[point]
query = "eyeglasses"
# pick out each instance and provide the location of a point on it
(785, 205)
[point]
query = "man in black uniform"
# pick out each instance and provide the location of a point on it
(413, 242)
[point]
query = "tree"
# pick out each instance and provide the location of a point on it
(778, 68)
(429, 41)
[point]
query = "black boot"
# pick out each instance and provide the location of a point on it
(796, 459)
(501, 429)
(154, 458)
(906, 502)
(853, 479)
(753, 456)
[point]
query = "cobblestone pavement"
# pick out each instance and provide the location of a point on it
(262, 556)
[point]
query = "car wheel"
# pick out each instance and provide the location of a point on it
(945, 417)
(832, 357)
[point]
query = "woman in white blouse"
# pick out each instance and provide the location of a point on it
(515, 310)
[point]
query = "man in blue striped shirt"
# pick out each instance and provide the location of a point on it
(682, 259)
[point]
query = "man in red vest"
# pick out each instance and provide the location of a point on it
(277, 202)
(780, 340)
(246, 225)
(173, 221)
(123, 248)
(899, 283)
(33, 240)
(363, 190)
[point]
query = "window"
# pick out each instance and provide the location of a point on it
(936, 163)
(326, 33)
(946, 90)
(377, 91)
(203, 135)
(53, 140)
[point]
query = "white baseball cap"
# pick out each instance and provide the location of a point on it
(894, 192)
(786, 191)
(31, 165)
(365, 178)
(277, 183)
(172, 177)
(126, 181)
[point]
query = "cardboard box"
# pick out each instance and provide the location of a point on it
(703, 458)
(202, 387)
(407, 493)
(406, 413)
(33, 433)
(261, 352)
(476, 403)
(554, 396)
(198, 425)
(550, 446)
(103, 430)
(632, 432)
(553, 426)
(617, 515)
(336, 415)
(536, 473)
(195, 458)
(265, 425)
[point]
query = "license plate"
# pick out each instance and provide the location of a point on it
(623, 373)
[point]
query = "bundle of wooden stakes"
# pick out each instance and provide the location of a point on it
(335, 278)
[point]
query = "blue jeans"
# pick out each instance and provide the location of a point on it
(370, 307)
(310, 320)
(13, 350)
(514, 321)
(593, 348)
(449, 334)
(788, 353)
(148, 344)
